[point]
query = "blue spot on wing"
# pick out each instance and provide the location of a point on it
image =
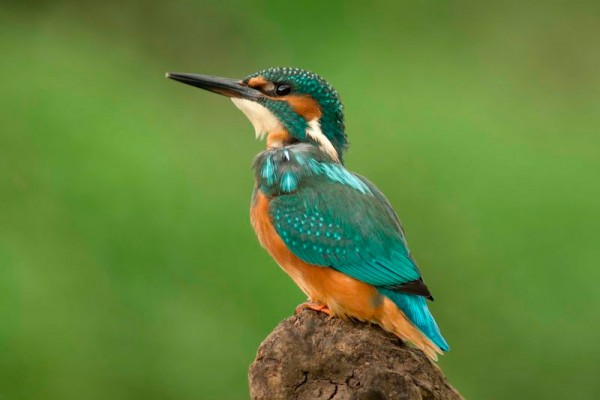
(337, 173)
(268, 171)
(289, 182)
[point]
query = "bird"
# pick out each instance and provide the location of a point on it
(331, 230)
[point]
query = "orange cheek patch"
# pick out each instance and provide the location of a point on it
(257, 82)
(305, 106)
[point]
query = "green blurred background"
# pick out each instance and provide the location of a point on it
(128, 267)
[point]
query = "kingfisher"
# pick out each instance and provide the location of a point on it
(331, 230)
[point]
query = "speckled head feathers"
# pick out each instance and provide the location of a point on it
(306, 105)
(287, 105)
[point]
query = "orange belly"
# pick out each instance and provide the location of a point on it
(342, 294)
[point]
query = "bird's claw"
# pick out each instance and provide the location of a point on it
(313, 305)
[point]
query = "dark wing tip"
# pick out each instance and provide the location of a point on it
(417, 287)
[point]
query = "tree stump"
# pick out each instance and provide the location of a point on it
(310, 356)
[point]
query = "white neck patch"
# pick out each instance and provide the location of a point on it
(261, 117)
(265, 122)
(315, 132)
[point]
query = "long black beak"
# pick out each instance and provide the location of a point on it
(224, 86)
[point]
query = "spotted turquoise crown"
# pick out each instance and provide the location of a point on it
(304, 82)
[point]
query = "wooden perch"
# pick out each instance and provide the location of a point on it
(311, 357)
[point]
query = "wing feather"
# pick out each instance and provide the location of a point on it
(334, 225)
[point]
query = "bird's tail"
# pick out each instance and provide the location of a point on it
(412, 310)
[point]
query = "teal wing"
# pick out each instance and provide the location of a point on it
(357, 233)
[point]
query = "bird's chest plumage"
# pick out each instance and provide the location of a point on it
(343, 295)
(268, 237)
(278, 172)
(282, 173)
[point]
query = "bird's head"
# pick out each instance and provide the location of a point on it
(285, 105)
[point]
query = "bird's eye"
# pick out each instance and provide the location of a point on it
(283, 88)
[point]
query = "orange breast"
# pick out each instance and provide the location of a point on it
(344, 295)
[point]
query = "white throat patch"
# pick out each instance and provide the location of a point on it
(262, 118)
(315, 132)
(265, 122)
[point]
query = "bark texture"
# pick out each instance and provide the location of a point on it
(309, 356)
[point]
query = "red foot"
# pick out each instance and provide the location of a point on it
(313, 305)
